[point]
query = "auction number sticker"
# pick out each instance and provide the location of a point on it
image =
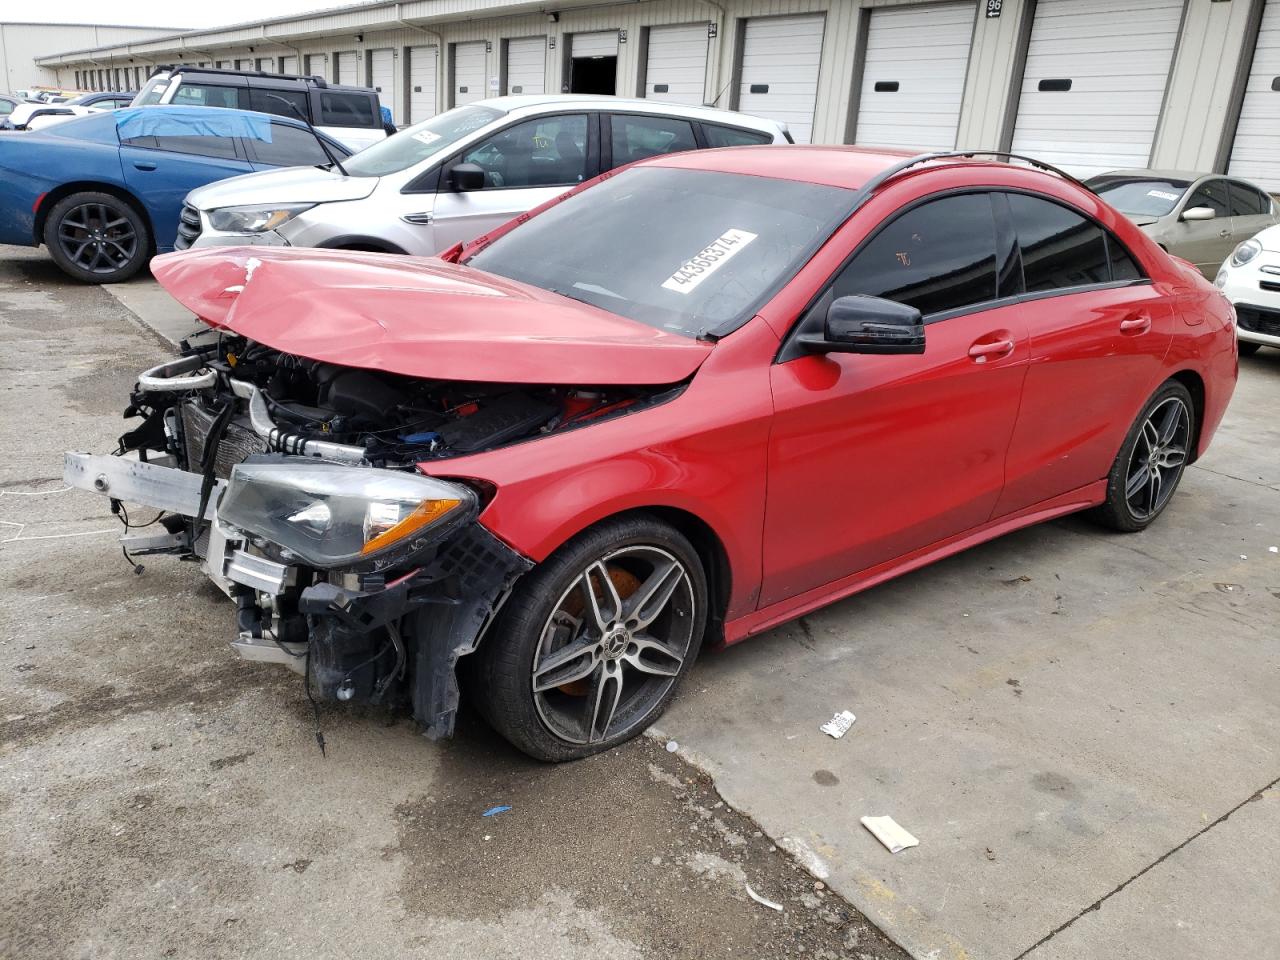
(708, 260)
(1163, 195)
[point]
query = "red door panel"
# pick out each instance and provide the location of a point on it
(1096, 356)
(874, 456)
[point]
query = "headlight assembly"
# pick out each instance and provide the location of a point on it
(331, 515)
(1245, 252)
(255, 219)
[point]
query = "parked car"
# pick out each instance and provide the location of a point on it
(37, 116)
(700, 397)
(7, 105)
(350, 115)
(466, 171)
(104, 192)
(1250, 278)
(1199, 217)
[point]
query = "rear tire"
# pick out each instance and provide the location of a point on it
(1248, 348)
(97, 237)
(1151, 461)
(555, 705)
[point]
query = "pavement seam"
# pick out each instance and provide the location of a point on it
(1232, 476)
(1097, 904)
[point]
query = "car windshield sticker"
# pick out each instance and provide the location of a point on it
(1163, 195)
(426, 136)
(708, 260)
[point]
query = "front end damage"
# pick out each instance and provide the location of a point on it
(304, 490)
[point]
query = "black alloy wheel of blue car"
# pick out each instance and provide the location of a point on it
(97, 237)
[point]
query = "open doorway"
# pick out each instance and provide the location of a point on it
(596, 75)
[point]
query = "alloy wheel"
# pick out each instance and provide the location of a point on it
(614, 644)
(98, 238)
(1158, 458)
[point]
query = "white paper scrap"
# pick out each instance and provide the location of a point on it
(838, 725)
(888, 832)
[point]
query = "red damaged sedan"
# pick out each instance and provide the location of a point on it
(694, 399)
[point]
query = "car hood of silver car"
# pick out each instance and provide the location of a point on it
(290, 185)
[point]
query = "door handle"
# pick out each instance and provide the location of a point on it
(982, 352)
(144, 164)
(1140, 323)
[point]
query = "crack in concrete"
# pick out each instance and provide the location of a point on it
(1097, 904)
(1231, 476)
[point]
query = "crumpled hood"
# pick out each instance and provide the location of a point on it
(419, 316)
(288, 185)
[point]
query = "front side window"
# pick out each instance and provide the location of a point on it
(1140, 196)
(420, 142)
(206, 95)
(718, 136)
(637, 137)
(545, 152)
(283, 103)
(937, 257)
(1062, 249)
(347, 110)
(686, 251)
(1211, 194)
(1248, 202)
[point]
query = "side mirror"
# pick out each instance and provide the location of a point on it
(861, 324)
(466, 176)
(1198, 213)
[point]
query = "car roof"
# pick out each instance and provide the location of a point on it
(535, 101)
(1189, 175)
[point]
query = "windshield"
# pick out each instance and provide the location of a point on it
(682, 250)
(1140, 197)
(414, 144)
(152, 92)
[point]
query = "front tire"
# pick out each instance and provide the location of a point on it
(97, 237)
(1151, 461)
(592, 645)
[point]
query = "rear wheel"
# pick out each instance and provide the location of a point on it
(97, 237)
(591, 647)
(1151, 461)
(1247, 348)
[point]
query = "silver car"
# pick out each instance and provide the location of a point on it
(455, 176)
(1197, 216)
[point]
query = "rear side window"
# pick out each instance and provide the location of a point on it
(1060, 248)
(289, 147)
(221, 147)
(1248, 202)
(636, 137)
(937, 257)
(270, 101)
(718, 136)
(207, 95)
(1213, 195)
(346, 110)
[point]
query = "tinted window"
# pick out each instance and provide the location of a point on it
(1212, 194)
(347, 110)
(289, 147)
(681, 250)
(548, 151)
(635, 138)
(1059, 248)
(206, 95)
(268, 101)
(1123, 266)
(939, 256)
(718, 136)
(1248, 202)
(222, 147)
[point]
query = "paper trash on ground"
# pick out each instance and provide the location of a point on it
(888, 832)
(838, 725)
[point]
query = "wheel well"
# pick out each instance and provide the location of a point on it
(356, 242)
(51, 199)
(1195, 386)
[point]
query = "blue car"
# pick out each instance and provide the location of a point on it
(104, 192)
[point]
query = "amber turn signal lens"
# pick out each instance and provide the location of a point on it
(424, 514)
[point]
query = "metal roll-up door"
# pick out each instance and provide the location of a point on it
(264, 65)
(382, 76)
(913, 76)
(289, 65)
(468, 72)
(315, 64)
(348, 69)
(676, 66)
(1094, 82)
(526, 65)
(244, 64)
(224, 64)
(602, 44)
(422, 83)
(1255, 152)
(780, 57)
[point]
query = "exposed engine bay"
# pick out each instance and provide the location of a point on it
(294, 483)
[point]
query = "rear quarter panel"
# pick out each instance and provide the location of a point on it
(34, 166)
(1204, 343)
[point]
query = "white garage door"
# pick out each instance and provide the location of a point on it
(315, 64)
(468, 72)
(244, 64)
(348, 73)
(603, 44)
(1255, 154)
(265, 65)
(422, 83)
(289, 65)
(382, 76)
(225, 65)
(527, 65)
(913, 79)
(1094, 82)
(677, 64)
(780, 71)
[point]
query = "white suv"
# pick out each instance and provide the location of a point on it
(457, 175)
